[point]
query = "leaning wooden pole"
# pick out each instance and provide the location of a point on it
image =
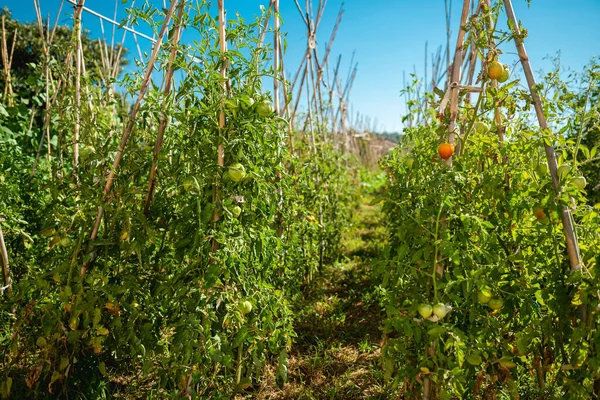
(129, 127)
(5, 268)
(276, 57)
(78, 68)
(6, 64)
(454, 81)
(162, 125)
(286, 100)
(567, 219)
(221, 148)
(453, 85)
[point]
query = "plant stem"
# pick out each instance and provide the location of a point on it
(162, 125)
(582, 123)
(129, 127)
(436, 252)
(238, 372)
(5, 266)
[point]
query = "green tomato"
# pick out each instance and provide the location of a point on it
(481, 127)
(264, 109)
(542, 168)
(505, 74)
(563, 171)
(86, 151)
(409, 162)
(247, 102)
(425, 310)
(440, 310)
(496, 303)
(484, 294)
(236, 172)
(189, 184)
(236, 211)
(48, 231)
(579, 182)
(64, 242)
(245, 307)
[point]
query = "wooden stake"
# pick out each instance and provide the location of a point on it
(221, 148)
(454, 82)
(286, 101)
(5, 266)
(129, 127)
(6, 63)
(276, 55)
(453, 86)
(567, 220)
(78, 68)
(162, 125)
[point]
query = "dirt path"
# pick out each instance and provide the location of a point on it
(335, 355)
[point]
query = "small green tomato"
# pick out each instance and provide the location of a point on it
(425, 310)
(245, 307)
(236, 172)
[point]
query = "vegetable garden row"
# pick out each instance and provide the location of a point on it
(157, 247)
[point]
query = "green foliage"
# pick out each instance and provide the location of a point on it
(475, 223)
(163, 296)
(391, 136)
(586, 130)
(484, 236)
(28, 53)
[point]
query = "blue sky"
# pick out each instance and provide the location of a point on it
(388, 38)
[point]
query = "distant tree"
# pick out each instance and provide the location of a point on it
(28, 52)
(391, 136)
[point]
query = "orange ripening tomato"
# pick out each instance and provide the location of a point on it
(539, 212)
(445, 150)
(495, 70)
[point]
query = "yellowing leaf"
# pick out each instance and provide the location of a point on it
(102, 331)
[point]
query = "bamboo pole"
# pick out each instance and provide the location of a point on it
(494, 83)
(6, 63)
(448, 9)
(567, 219)
(49, 103)
(276, 56)
(265, 26)
(78, 61)
(5, 267)
(45, 40)
(331, 92)
(298, 96)
(162, 125)
(317, 95)
(129, 127)
(453, 85)
(454, 82)
(286, 101)
(221, 148)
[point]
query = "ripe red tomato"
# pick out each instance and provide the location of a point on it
(445, 150)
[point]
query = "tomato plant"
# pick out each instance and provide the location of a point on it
(483, 237)
(193, 294)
